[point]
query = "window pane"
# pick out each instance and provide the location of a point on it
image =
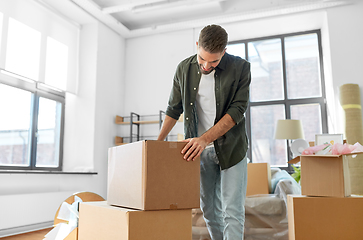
(266, 69)
(264, 147)
(310, 116)
(237, 50)
(49, 119)
(302, 66)
(15, 108)
(23, 50)
(56, 67)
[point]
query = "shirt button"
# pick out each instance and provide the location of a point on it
(217, 89)
(195, 89)
(198, 72)
(217, 104)
(191, 104)
(187, 119)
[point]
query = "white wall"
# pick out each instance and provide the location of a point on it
(346, 38)
(109, 101)
(150, 65)
(149, 70)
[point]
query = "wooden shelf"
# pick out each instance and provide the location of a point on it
(120, 120)
(119, 141)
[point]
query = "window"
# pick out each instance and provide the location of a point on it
(15, 126)
(37, 66)
(30, 130)
(287, 83)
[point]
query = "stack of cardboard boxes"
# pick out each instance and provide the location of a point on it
(151, 193)
(326, 209)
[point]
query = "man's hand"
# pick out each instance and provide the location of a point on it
(196, 145)
(194, 148)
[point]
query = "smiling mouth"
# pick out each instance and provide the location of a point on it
(205, 70)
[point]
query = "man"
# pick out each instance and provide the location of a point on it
(212, 89)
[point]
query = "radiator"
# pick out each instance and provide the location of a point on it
(26, 212)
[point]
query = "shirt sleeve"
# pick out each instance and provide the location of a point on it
(175, 106)
(240, 101)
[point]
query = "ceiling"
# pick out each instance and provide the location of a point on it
(132, 18)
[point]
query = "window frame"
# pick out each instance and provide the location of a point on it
(37, 91)
(288, 102)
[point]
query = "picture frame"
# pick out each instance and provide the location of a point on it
(321, 139)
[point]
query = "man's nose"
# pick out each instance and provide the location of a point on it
(206, 65)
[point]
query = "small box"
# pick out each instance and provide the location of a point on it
(152, 175)
(325, 175)
(325, 218)
(258, 178)
(98, 220)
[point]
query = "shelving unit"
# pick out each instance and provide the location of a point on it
(136, 122)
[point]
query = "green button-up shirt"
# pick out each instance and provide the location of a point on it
(232, 79)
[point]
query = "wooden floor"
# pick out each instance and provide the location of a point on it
(37, 235)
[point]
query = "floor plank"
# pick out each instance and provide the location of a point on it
(37, 235)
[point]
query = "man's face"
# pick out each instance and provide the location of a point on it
(208, 61)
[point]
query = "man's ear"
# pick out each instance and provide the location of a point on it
(196, 43)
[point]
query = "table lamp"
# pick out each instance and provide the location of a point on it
(289, 129)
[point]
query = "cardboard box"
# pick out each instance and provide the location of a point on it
(325, 175)
(258, 178)
(98, 220)
(325, 218)
(152, 175)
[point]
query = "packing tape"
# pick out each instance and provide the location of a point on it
(348, 106)
(173, 145)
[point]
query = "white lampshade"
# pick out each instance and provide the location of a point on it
(289, 129)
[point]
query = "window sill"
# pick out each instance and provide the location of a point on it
(43, 172)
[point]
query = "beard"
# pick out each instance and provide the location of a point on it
(204, 71)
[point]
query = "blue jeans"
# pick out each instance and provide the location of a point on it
(222, 196)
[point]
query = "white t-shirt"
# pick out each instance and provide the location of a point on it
(206, 103)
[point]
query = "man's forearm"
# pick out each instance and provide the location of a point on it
(219, 129)
(168, 124)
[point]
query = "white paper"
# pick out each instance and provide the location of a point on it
(59, 232)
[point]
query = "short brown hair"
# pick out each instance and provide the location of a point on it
(213, 39)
